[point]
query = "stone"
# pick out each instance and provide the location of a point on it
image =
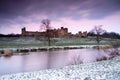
(24, 50)
(7, 52)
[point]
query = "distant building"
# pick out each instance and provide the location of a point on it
(31, 33)
(82, 34)
(62, 32)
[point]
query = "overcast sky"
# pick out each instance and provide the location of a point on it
(76, 15)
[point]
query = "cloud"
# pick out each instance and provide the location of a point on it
(63, 12)
(110, 23)
(10, 9)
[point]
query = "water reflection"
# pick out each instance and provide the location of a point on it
(48, 59)
(85, 55)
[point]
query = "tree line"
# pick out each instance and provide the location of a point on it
(112, 35)
(10, 35)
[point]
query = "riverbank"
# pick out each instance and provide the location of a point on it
(15, 51)
(102, 70)
(32, 44)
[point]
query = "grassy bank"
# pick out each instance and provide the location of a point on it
(19, 42)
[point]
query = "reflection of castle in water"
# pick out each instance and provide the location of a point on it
(62, 32)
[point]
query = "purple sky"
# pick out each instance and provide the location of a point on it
(76, 15)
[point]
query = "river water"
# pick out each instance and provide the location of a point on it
(48, 59)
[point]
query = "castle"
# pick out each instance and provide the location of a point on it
(81, 34)
(60, 32)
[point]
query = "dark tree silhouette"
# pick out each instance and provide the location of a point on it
(98, 31)
(46, 24)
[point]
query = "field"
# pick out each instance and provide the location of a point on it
(20, 42)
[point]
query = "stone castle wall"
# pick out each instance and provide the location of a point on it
(62, 32)
(82, 34)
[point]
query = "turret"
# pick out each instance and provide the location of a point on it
(23, 31)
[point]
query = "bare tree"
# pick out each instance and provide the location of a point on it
(98, 31)
(46, 25)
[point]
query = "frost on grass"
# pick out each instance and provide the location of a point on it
(103, 70)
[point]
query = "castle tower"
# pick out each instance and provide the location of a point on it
(23, 31)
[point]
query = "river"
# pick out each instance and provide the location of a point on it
(48, 59)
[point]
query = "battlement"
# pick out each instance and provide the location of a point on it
(62, 32)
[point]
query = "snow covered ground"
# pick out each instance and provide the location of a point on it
(103, 70)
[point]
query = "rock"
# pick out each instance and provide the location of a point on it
(66, 47)
(1, 52)
(17, 50)
(24, 50)
(33, 50)
(105, 47)
(42, 49)
(7, 52)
